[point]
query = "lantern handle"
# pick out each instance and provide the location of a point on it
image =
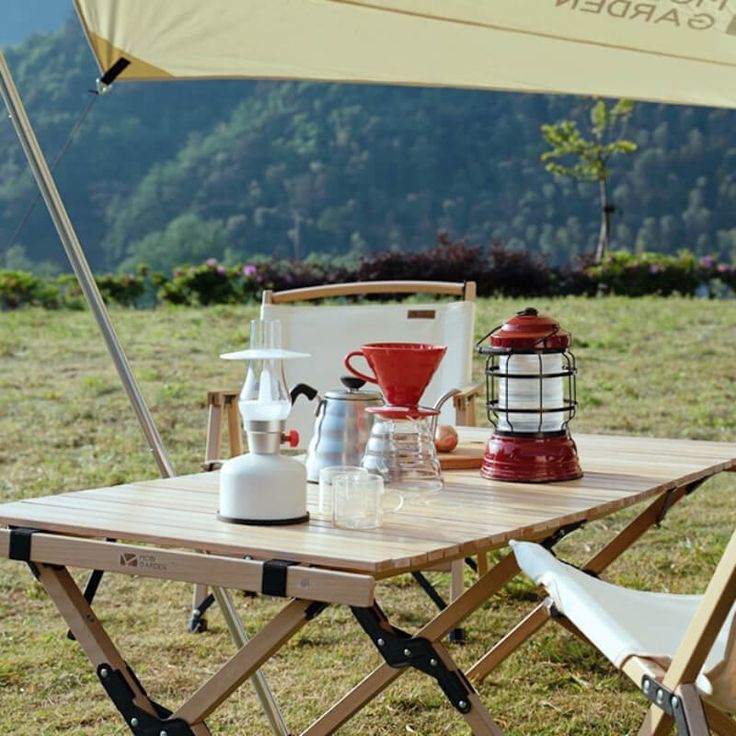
(544, 339)
(486, 336)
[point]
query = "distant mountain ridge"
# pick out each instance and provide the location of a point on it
(169, 173)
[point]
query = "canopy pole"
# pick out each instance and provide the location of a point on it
(83, 272)
(73, 248)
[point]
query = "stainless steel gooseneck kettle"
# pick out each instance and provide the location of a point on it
(342, 427)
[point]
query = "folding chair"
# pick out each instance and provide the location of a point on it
(679, 649)
(329, 332)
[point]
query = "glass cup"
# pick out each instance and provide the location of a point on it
(325, 493)
(265, 334)
(358, 500)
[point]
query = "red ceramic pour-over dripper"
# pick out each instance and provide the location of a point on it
(403, 370)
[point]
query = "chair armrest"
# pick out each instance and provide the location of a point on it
(219, 402)
(464, 403)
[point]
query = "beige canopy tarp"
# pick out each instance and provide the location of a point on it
(681, 51)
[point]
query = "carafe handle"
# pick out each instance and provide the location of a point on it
(355, 372)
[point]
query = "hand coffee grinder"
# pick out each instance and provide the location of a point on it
(263, 486)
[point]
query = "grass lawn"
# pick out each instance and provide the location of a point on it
(661, 367)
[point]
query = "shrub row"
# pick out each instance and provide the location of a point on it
(496, 269)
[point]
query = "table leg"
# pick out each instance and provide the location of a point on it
(372, 685)
(116, 676)
(246, 661)
(539, 616)
(258, 680)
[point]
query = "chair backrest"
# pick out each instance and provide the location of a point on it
(329, 332)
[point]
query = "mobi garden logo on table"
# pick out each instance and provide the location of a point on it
(133, 559)
(693, 15)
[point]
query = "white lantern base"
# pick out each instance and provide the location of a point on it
(263, 490)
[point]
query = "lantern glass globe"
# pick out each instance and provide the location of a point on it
(521, 388)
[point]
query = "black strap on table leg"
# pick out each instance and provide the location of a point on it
(20, 546)
(139, 721)
(20, 543)
(400, 649)
(273, 581)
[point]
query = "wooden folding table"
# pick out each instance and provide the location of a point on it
(170, 531)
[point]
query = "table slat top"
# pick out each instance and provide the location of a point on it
(469, 515)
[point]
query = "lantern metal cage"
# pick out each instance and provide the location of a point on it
(494, 373)
(531, 396)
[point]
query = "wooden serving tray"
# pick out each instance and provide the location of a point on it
(465, 456)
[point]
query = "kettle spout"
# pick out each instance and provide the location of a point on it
(440, 403)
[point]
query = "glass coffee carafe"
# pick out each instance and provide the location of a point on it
(401, 449)
(401, 445)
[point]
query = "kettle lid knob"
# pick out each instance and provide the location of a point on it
(352, 383)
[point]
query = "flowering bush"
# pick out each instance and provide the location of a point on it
(18, 288)
(637, 274)
(209, 283)
(495, 269)
(125, 289)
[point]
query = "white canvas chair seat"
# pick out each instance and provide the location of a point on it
(328, 333)
(624, 623)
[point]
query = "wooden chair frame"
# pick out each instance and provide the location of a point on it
(671, 689)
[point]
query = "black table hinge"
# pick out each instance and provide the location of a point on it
(430, 590)
(669, 499)
(273, 581)
(198, 623)
(558, 535)
(139, 721)
(666, 506)
(471, 563)
(314, 609)
(20, 546)
(668, 701)
(400, 649)
(457, 635)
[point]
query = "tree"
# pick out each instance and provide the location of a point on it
(583, 158)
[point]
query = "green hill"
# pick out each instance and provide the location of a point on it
(169, 172)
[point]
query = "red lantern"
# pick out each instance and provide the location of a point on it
(530, 381)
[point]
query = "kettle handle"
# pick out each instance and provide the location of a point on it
(302, 389)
